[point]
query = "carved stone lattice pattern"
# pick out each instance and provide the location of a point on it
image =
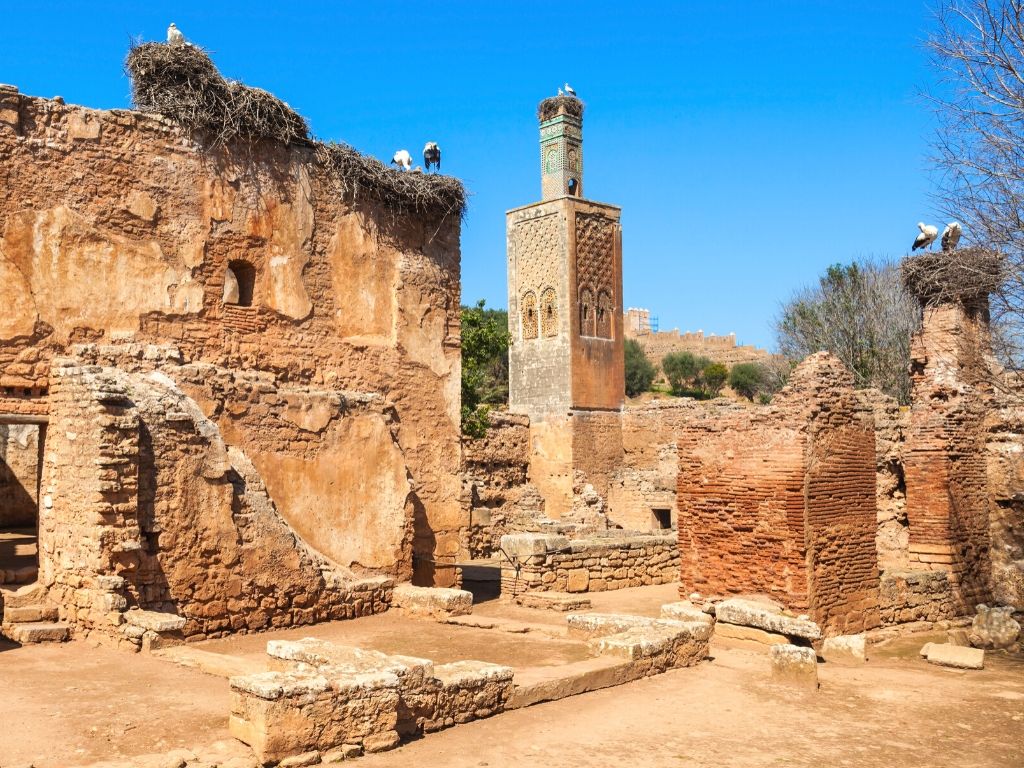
(605, 308)
(548, 313)
(587, 312)
(529, 315)
(537, 248)
(595, 256)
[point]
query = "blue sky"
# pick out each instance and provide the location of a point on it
(750, 144)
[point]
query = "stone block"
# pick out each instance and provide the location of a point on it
(795, 665)
(523, 546)
(993, 628)
(845, 649)
(578, 580)
(433, 602)
(155, 621)
(684, 610)
(30, 613)
(469, 690)
(554, 601)
(749, 635)
(754, 614)
(38, 632)
(958, 656)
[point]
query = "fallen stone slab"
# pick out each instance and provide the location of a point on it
(586, 626)
(155, 621)
(763, 616)
(684, 610)
(553, 601)
(38, 632)
(795, 665)
(958, 656)
(845, 649)
(432, 602)
(523, 546)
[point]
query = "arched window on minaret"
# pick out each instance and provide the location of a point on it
(587, 312)
(548, 313)
(528, 312)
(604, 315)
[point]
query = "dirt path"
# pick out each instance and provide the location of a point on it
(72, 704)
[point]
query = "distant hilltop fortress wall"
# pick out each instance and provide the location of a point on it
(657, 344)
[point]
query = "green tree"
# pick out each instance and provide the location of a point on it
(485, 341)
(746, 379)
(640, 371)
(713, 378)
(860, 313)
(681, 370)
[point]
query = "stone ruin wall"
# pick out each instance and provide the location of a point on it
(145, 506)
(781, 500)
(115, 229)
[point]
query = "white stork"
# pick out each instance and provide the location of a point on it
(174, 36)
(951, 235)
(431, 155)
(927, 236)
(402, 159)
(569, 91)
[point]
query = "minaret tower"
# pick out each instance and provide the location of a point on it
(566, 361)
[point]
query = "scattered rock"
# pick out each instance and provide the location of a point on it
(957, 656)
(795, 665)
(845, 649)
(993, 627)
(300, 761)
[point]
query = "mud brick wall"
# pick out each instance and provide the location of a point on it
(145, 506)
(117, 228)
(946, 471)
(596, 564)
(494, 482)
(1004, 447)
(781, 500)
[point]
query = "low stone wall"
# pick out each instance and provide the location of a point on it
(907, 596)
(543, 562)
(322, 696)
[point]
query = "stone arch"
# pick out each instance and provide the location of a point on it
(587, 312)
(528, 312)
(548, 313)
(604, 313)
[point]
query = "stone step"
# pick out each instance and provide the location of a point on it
(29, 613)
(38, 632)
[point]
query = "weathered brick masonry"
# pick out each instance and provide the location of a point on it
(117, 229)
(782, 500)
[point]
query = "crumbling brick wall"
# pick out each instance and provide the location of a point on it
(146, 507)
(781, 499)
(116, 228)
(1004, 444)
(947, 491)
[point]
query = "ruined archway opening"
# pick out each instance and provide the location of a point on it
(21, 452)
(239, 283)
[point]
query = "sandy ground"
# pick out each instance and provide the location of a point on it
(71, 704)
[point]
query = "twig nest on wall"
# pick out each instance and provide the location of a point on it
(941, 277)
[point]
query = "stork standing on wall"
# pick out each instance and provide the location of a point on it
(927, 236)
(431, 155)
(174, 36)
(402, 159)
(951, 235)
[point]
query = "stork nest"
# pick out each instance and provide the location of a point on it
(553, 105)
(182, 83)
(357, 175)
(942, 277)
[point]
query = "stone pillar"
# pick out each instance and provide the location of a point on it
(951, 394)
